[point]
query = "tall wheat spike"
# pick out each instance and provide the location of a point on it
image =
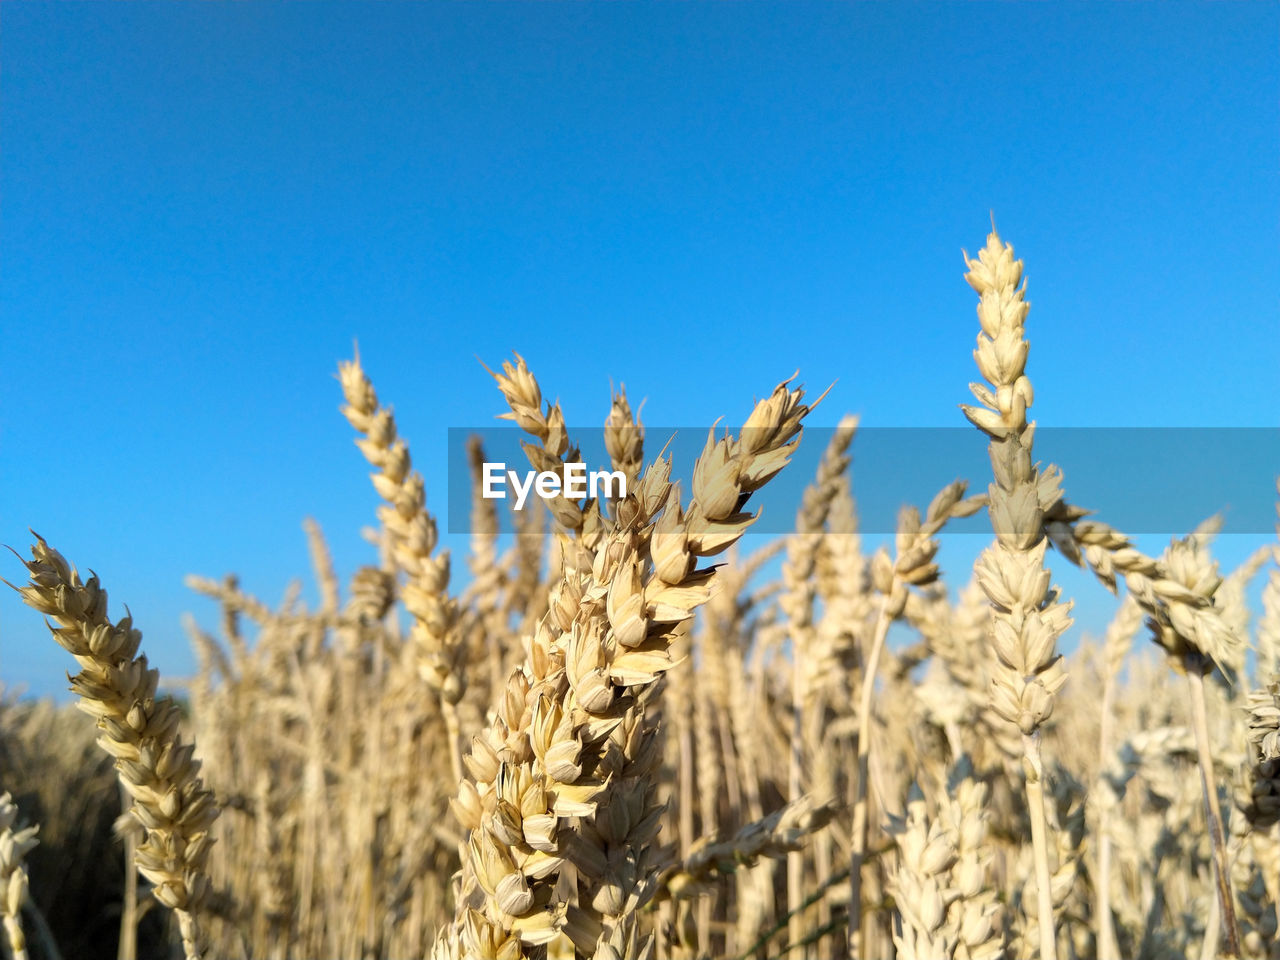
(1027, 617)
(140, 729)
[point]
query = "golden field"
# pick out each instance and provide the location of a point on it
(619, 740)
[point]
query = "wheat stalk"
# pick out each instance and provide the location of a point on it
(1119, 638)
(798, 578)
(616, 800)
(912, 565)
(1195, 638)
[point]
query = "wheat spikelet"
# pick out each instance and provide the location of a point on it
(624, 438)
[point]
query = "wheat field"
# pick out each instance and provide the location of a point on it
(623, 737)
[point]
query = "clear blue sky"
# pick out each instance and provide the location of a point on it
(202, 205)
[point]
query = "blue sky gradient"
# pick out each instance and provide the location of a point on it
(202, 206)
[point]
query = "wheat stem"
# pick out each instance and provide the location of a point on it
(127, 949)
(1212, 810)
(859, 835)
(1034, 770)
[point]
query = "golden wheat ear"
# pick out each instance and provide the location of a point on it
(15, 844)
(411, 531)
(140, 730)
(567, 772)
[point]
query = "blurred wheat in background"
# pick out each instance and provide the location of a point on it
(621, 740)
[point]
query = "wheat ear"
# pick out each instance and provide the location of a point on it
(1027, 618)
(565, 776)
(14, 847)
(926, 854)
(578, 522)
(624, 437)
(946, 907)
(1188, 614)
(413, 535)
(140, 730)
(488, 576)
